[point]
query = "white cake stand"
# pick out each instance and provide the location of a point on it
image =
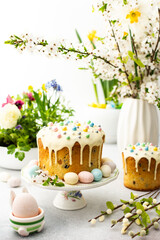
(70, 196)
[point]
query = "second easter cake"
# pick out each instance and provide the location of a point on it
(70, 147)
(141, 163)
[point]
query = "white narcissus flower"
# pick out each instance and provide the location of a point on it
(9, 115)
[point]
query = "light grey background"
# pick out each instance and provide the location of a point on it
(73, 225)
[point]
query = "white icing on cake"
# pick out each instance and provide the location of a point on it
(143, 150)
(60, 135)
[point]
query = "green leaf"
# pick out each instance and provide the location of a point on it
(20, 155)
(59, 184)
(133, 217)
(139, 206)
(46, 183)
(113, 21)
(12, 146)
(127, 210)
(110, 205)
(11, 151)
(130, 54)
(145, 218)
(103, 8)
(125, 2)
(103, 212)
(138, 62)
(157, 211)
(136, 79)
(132, 196)
(130, 77)
(149, 200)
(83, 68)
(123, 201)
(25, 148)
(78, 36)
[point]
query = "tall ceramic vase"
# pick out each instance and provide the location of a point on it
(138, 122)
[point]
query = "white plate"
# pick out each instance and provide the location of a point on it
(67, 187)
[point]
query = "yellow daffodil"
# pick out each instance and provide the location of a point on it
(30, 88)
(125, 34)
(43, 87)
(92, 35)
(133, 16)
(94, 105)
(40, 93)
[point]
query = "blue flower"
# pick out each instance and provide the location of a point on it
(54, 84)
(59, 88)
(18, 127)
(48, 85)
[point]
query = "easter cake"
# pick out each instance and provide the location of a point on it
(141, 166)
(70, 147)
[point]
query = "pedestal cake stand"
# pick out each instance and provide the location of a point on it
(70, 196)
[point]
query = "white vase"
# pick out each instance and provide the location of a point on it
(138, 122)
(10, 162)
(107, 118)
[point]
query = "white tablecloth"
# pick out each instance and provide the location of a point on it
(73, 225)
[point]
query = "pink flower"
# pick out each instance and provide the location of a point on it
(19, 104)
(30, 96)
(8, 100)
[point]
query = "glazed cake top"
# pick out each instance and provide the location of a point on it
(142, 150)
(66, 134)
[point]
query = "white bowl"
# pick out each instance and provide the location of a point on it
(10, 162)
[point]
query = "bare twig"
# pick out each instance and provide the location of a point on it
(158, 40)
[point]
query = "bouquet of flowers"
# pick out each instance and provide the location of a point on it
(129, 50)
(22, 117)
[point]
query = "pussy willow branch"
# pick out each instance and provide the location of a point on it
(138, 216)
(149, 226)
(120, 219)
(120, 205)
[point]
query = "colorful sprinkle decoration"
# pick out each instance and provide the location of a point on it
(87, 136)
(131, 150)
(55, 129)
(85, 129)
(74, 128)
(59, 136)
(64, 128)
(68, 137)
(146, 148)
(92, 124)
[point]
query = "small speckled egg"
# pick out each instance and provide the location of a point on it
(85, 177)
(32, 171)
(106, 159)
(97, 173)
(71, 178)
(14, 182)
(109, 162)
(4, 176)
(106, 171)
